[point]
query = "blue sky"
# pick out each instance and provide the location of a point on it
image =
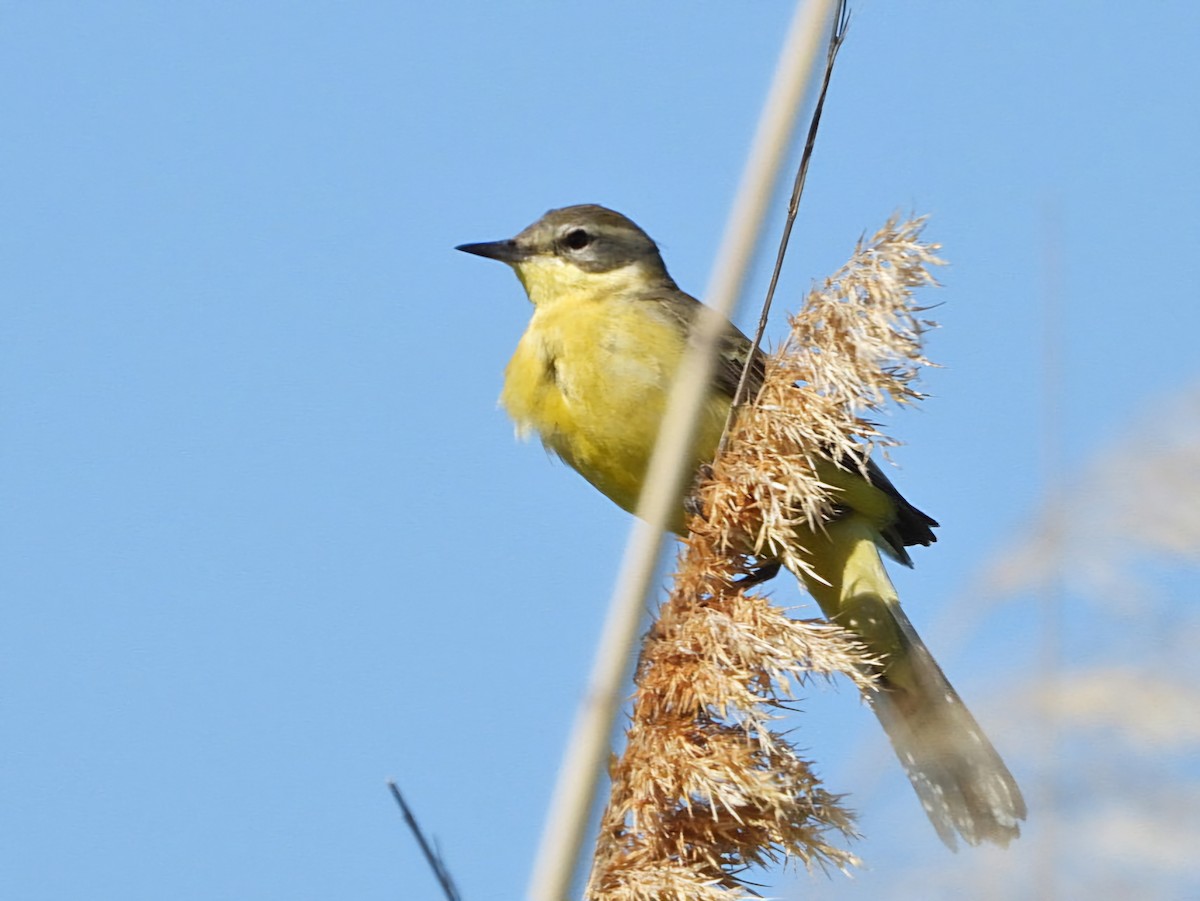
(268, 541)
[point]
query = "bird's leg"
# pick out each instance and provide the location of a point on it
(693, 504)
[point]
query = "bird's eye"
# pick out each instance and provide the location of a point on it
(577, 239)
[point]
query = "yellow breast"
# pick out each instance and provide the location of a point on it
(590, 376)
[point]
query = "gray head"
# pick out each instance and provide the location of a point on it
(566, 246)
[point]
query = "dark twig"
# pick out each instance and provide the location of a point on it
(841, 21)
(432, 857)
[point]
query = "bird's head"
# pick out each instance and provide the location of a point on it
(579, 251)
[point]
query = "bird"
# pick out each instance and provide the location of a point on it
(591, 377)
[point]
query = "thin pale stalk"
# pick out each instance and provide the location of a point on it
(588, 748)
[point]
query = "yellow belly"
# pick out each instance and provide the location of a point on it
(590, 377)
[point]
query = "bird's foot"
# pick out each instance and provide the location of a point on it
(764, 572)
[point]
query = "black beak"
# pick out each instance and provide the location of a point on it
(504, 251)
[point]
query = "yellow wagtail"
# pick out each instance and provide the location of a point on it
(591, 375)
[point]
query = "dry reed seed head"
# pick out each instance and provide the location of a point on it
(705, 787)
(855, 345)
(859, 338)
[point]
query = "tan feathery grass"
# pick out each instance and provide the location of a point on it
(707, 786)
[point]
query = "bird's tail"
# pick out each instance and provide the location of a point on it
(963, 784)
